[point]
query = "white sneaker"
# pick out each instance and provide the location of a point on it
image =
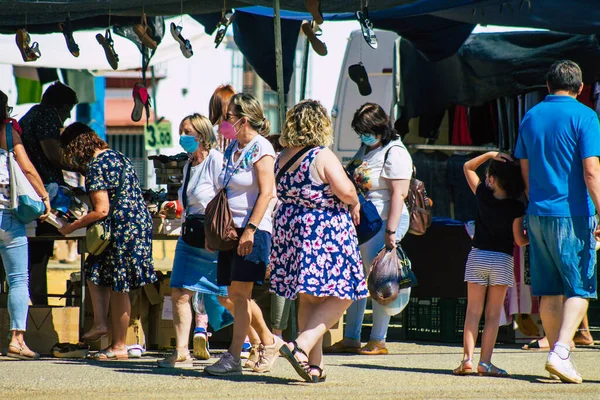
(225, 366)
(563, 368)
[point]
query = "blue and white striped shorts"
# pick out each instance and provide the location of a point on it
(489, 268)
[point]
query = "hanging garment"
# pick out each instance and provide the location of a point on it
(461, 135)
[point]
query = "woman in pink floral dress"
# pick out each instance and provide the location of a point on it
(314, 248)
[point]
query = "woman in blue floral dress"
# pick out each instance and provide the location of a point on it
(314, 250)
(126, 264)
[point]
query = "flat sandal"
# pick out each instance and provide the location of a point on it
(317, 378)
(301, 367)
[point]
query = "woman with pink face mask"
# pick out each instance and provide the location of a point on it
(217, 109)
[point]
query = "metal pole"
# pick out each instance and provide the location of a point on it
(279, 63)
(304, 76)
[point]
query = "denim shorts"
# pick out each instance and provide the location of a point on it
(563, 256)
(249, 268)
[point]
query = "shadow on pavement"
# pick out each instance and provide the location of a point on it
(527, 378)
(141, 367)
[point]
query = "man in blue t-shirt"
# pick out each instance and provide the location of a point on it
(559, 150)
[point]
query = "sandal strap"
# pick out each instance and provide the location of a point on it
(488, 367)
(297, 349)
(317, 368)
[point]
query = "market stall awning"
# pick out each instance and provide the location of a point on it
(56, 55)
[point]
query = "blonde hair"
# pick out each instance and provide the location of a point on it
(204, 129)
(307, 124)
(246, 105)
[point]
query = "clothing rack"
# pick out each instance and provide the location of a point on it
(443, 147)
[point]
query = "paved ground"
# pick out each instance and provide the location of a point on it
(411, 371)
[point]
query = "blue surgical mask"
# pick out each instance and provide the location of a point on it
(188, 143)
(368, 139)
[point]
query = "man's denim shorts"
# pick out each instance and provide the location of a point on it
(563, 256)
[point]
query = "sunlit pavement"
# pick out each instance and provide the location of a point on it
(410, 371)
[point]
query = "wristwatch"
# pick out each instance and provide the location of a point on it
(390, 232)
(251, 226)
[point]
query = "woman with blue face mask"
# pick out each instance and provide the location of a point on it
(382, 169)
(194, 267)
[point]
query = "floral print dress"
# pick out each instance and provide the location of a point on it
(127, 263)
(314, 247)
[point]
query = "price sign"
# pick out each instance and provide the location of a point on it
(158, 136)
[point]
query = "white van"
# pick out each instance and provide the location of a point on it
(379, 64)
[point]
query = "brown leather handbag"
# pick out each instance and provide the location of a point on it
(219, 227)
(218, 223)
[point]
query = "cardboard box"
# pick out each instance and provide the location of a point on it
(162, 331)
(46, 326)
(335, 334)
(529, 327)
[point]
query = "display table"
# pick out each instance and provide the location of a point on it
(164, 229)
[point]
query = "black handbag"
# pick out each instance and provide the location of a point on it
(192, 230)
(406, 276)
(370, 220)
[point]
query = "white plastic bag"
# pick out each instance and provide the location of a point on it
(26, 204)
(396, 306)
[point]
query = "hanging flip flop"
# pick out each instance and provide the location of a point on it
(107, 44)
(317, 45)
(184, 44)
(366, 27)
(28, 52)
(141, 101)
(67, 31)
(358, 74)
(314, 8)
(226, 19)
(143, 32)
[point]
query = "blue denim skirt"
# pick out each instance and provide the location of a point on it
(195, 269)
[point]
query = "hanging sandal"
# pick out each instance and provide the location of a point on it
(358, 74)
(226, 19)
(141, 101)
(366, 27)
(317, 378)
(21, 353)
(500, 373)
(463, 369)
(184, 45)
(67, 31)
(301, 367)
(317, 45)
(314, 8)
(143, 32)
(28, 52)
(108, 44)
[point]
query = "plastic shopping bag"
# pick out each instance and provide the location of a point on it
(398, 305)
(383, 280)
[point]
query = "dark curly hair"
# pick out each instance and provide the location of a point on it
(370, 118)
(79, 143)
(509, 178)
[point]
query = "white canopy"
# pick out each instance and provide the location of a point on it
(56, 55)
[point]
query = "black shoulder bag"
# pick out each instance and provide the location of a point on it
(192, 230)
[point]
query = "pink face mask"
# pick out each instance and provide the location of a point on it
(227, 130)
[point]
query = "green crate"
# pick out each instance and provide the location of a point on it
(436, 319)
